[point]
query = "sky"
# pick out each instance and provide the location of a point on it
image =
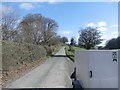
(72, 16)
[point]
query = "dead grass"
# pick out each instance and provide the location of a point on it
(19, 71)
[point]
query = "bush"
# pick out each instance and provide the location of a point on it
(71, 49)
(48, 50)
(18, 53)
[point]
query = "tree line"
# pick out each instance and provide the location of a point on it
(32, 28)
(40, 30)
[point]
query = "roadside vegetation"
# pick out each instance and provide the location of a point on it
(70, 51)
(19, 58)
(27, 42)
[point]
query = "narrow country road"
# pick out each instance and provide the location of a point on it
(54, 73)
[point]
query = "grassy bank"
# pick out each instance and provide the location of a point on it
(70, 51)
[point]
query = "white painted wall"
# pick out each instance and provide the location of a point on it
(100, 62)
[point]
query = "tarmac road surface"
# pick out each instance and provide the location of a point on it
(54, 73)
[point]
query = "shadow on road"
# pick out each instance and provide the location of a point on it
(58, 56)
(69, 56)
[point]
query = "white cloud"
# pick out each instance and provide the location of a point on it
(66, 32)
(26, 6)
(101, 24)
(108, 35)
(102, 29)
(91, 25)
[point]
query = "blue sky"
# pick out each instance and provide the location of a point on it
(71, 16)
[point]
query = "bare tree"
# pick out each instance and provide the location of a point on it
(36, 28)
(9, 20)
(50, 28)
(26, 32)
(56, 40)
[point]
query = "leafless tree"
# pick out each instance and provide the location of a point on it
(9, 20)
(50, 29)
(37, 29)
(26, 29)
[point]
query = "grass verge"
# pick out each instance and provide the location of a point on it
(70, 51)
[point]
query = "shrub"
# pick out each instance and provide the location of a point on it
(71, 48)
(48, 50)
(20, 53)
